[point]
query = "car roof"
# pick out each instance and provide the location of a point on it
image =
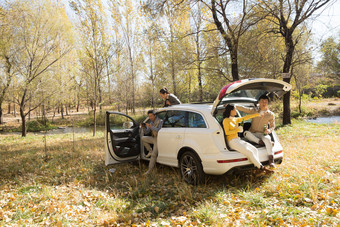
(206, 107)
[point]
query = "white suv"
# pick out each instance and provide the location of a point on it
(192, 137)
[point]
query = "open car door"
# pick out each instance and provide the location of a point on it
(122, 139)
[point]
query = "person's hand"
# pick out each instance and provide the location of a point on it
(261, 113)
(266, 131)
(240, 129)
(168, 102)
(147, 125)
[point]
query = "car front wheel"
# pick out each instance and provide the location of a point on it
(191, 168)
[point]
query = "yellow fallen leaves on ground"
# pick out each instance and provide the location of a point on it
(75, 189)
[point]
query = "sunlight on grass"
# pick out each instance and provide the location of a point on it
(66, 183)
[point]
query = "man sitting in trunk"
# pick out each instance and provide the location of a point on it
(261, 126)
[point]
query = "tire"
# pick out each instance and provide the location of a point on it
(191, 168)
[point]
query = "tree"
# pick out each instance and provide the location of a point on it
(260, 53)
(232, 28)
(197, 23)
(285, 17)
(203, 56)
(96, 47)
(330, 58)
(216, 64)
(173, 16)
(301, 75)
(7, 52)
(153, 49)
(127, 19)
(65, 73)
(40, 39)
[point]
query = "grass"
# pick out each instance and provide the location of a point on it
(67, 184)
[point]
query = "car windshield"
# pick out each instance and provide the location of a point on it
(251, 93)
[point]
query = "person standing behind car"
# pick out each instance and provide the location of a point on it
(231, 130)
(154, 126)
(169, 99)
(261, 127)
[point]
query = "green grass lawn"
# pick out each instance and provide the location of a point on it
(66, 183)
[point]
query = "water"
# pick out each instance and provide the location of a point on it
(325, 120)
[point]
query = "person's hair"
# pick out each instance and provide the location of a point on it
(264, 96)
(151, 112)
(227, 110)
(164, 90)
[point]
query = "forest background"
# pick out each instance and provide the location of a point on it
(84, 54)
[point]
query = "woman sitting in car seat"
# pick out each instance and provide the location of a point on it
(231, 130)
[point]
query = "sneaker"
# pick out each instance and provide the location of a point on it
(148, 155)
(268, 171)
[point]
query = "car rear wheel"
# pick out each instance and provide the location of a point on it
(191, 168)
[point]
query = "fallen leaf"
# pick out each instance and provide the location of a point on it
(59, 224)
(332, 212)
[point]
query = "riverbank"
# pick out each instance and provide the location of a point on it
(317, 108)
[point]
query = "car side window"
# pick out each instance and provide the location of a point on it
(161, 115)
(174, 119)
(196, 120)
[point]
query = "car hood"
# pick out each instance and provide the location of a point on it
(251, 88)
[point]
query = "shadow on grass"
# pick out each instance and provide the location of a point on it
(82, 162)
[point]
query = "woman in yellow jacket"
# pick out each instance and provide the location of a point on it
(231, 130)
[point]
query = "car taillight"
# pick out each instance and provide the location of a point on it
(278, 152)
(232, 160)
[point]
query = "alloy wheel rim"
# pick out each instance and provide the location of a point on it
(189, 169)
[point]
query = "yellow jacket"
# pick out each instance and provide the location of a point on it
(230, 125)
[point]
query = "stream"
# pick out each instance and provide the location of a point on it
(325, 120)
